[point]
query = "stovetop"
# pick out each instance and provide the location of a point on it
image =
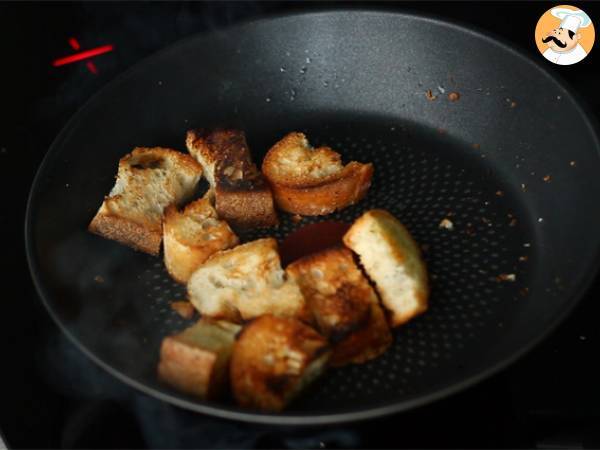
(51, 395)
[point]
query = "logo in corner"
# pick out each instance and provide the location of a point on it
(564, 35)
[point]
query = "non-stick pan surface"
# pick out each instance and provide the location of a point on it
(513, 163)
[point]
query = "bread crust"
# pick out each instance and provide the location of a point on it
(273, 359)
(246, 209)
(313, 182)
(326, 198)
(196, 360)
(345, 306)
(188, 369)
(127, 232)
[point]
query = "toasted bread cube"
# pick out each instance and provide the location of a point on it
(193, 235)
(392, 259)
(148, 180)
(273, 359)
(246, 282)
(344, 304)
(242, 195)
(196, 361)
(311, 181)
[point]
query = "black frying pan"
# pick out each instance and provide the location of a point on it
(351, 80)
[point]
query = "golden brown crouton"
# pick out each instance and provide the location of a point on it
(242, 196)
(193, 235)
(246, 282)
(311, 181)
(273, 359)
(344, 305)
(392, 259)
(196, 361)
(148, 180)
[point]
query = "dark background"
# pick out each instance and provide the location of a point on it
(52, 396)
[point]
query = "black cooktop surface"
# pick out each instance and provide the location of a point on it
(51, 395)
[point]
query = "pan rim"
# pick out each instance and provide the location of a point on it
(477, 374)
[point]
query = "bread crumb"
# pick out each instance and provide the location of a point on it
(447, 224)
(523, 186)
(540, 219)
(523, 258)
(99, 279)
(500, 193)
(512, 222)
(453, 96)
(572, 163)
(184, 308)
(296, 218)
(476, 146)
(513, 104)
(506, 277)
(429, 95)
(547, 178)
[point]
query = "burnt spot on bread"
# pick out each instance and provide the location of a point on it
(236, 175)
(147, 162)
(279, 384)
(340, 334)
(234, 170)
(147, 165)
(199, 133)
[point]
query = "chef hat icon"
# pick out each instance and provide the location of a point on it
(571, 19)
